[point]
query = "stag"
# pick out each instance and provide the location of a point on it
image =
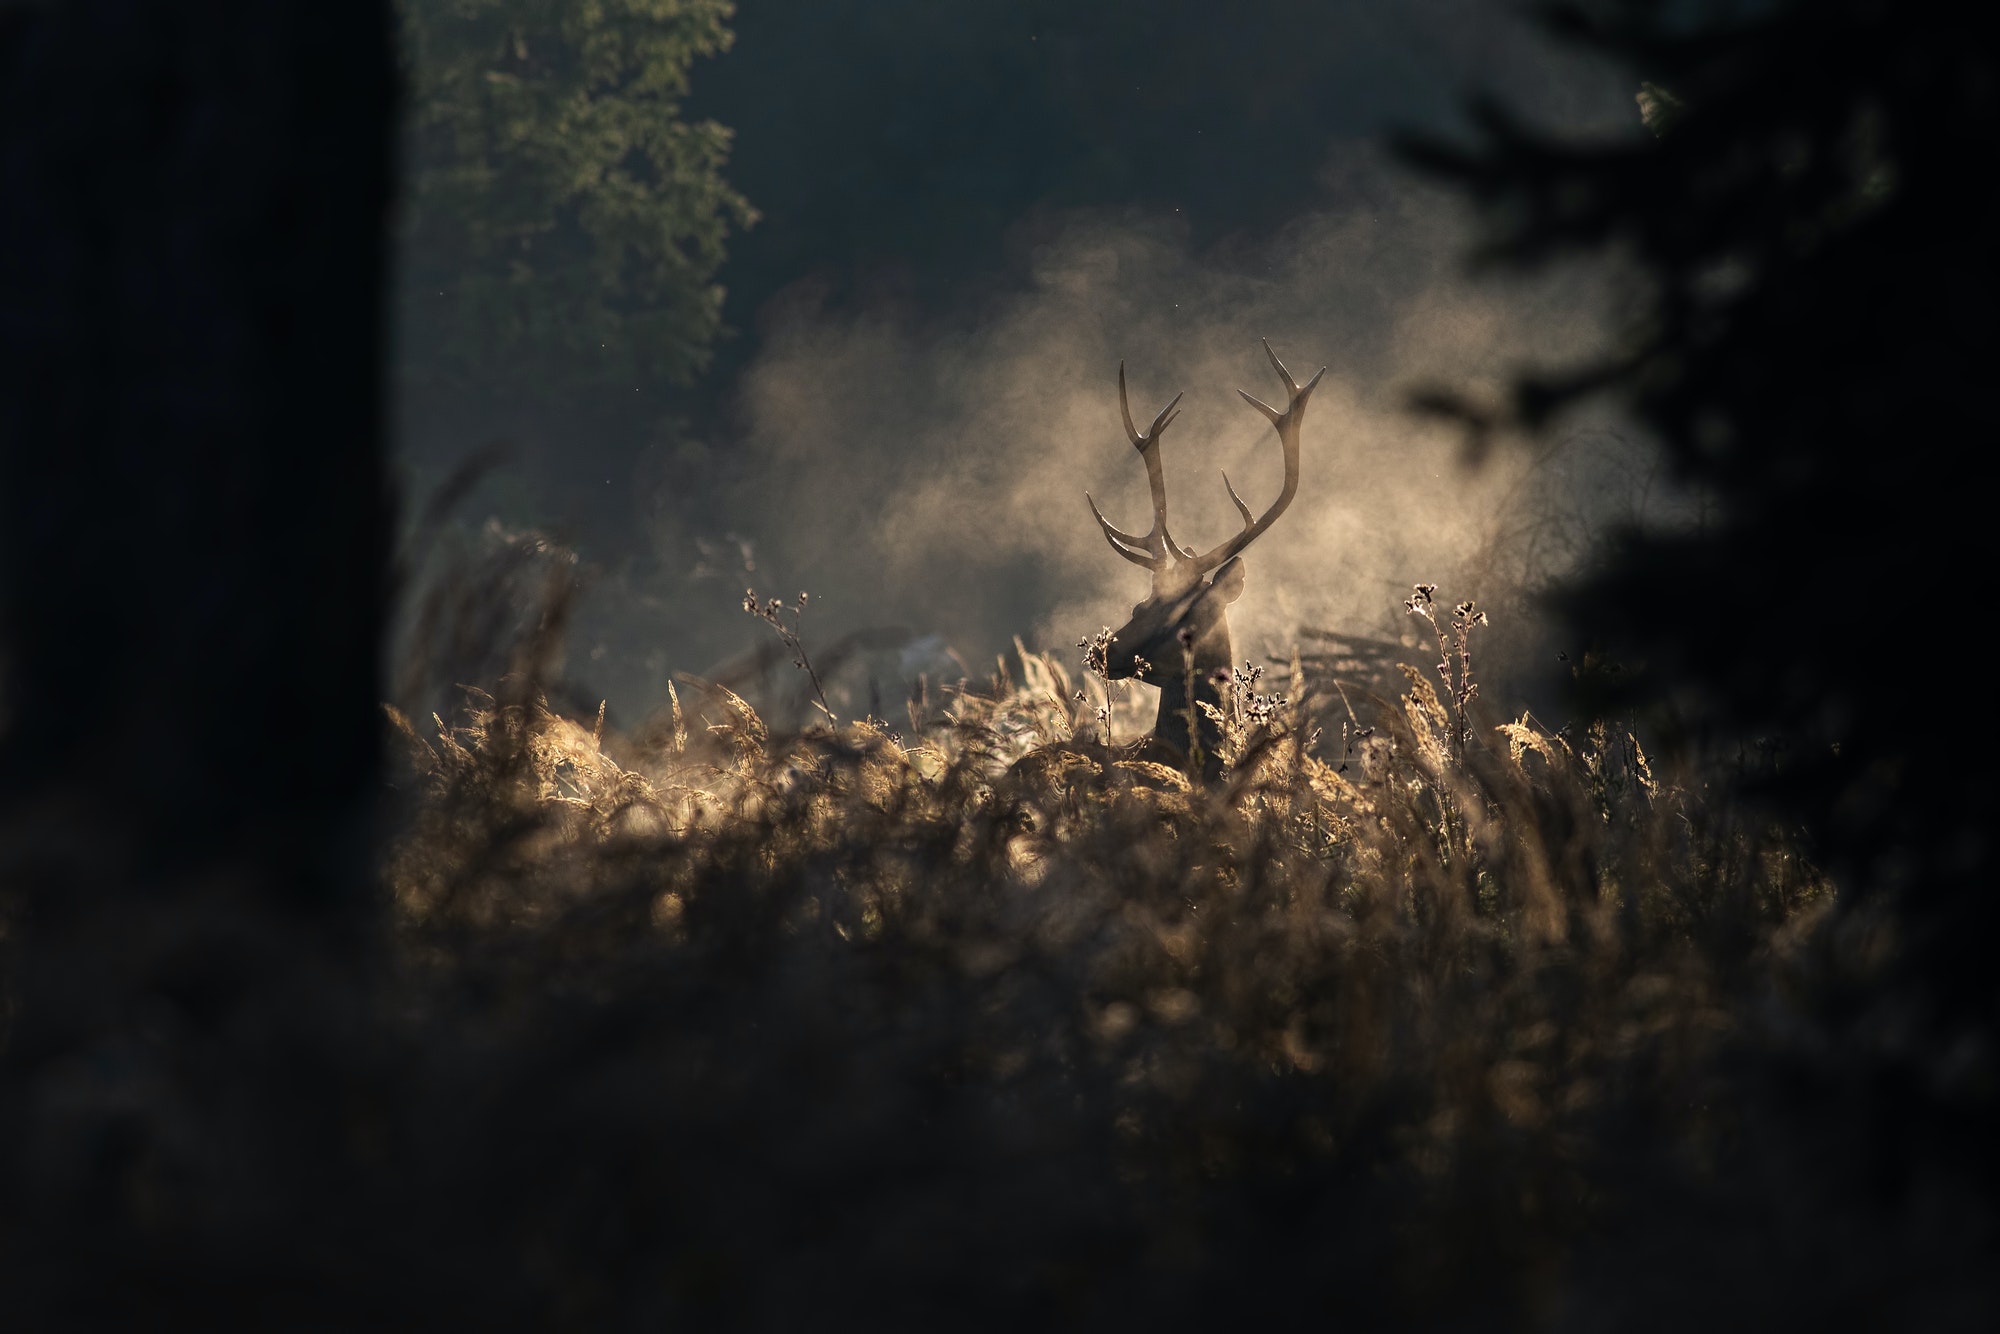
(1178, 638)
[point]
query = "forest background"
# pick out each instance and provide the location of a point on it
(893, 386)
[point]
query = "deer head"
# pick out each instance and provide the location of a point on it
(1178, 638)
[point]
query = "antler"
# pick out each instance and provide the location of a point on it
(1287, 425)
(1154, 549)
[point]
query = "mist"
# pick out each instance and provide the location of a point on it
(922, 384)
(928, 476)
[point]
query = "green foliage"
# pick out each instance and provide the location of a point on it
(563, 222)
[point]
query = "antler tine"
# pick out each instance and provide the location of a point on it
(1291, 385)
(1161, 422)
(1287, 425)
(1115, 534)
(1124, 543)
(1235, 499)
(1261, 406)
(1158, 545)
(1125, 411)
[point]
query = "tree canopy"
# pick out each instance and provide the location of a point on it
(562, 221)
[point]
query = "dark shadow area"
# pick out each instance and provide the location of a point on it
(1812, 348)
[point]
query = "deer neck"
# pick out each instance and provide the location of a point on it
(1213, 652)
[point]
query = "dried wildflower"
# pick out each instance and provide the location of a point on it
(772, 613)
(1096, 650)
(1454, 664)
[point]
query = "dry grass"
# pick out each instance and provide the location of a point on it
(996, 1009)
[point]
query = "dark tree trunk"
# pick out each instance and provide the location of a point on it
(192, 565)
(192, 208)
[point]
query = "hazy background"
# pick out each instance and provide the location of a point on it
(969, 214)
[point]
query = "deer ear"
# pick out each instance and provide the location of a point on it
(1228, 580)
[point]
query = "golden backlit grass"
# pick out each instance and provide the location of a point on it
(1392, 1000)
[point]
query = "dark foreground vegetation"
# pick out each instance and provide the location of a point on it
(1453, 1023)
(990, 1021)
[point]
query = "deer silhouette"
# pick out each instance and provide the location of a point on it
(1178, 638)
